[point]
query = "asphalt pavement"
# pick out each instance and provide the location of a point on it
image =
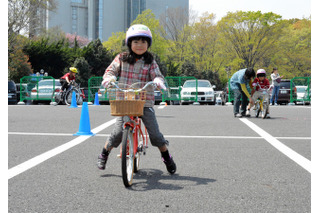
(224, 164)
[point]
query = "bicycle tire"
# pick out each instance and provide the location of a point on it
(257, 109)
(127, 157)
(265, 110)
(68, 97)
(137, 157)
(58, 97)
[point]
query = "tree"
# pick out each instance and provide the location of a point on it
(116, 43)
(249, 35)
(84, 70)
(18, 65)
(53, 57)
(159, 44)
(173, 21)
(293, 57)
(97, 56)
(23, 13)
(202, 47)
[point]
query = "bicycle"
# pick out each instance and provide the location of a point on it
(65, 96)
(262, 103)
(130, 103)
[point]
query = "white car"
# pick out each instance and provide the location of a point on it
(302, 94)
(204, 93)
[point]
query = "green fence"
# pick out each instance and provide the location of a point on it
(172, 95)
(302, 85)
(38, 88)
(175, 86)
(94, 86)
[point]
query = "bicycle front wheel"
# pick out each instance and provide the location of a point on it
(127, 157)
(265, 109)
(257, 109)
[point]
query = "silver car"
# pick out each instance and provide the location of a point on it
(44, 91)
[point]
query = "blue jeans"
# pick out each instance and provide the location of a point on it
(238, 94)
(275, 93)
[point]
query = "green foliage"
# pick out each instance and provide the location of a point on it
(18, 65)
(97, 56)
(116, 43)
(159, 43)
(202, 49)
(84, 73)
(249, 35)
(52, 57)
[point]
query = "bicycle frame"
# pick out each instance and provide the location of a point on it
(261, 101)
(135, 124)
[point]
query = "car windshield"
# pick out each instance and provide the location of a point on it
(190, 84)
(11, 86)
(301, 89)
(48, 83)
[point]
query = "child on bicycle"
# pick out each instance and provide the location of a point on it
(137, 65)
(67, 78)
(256, 91)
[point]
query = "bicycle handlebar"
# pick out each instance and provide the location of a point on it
(271, 86)
(123, 90)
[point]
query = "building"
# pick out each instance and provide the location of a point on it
(100, 18)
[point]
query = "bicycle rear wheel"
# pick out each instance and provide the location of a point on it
(68, 97)
(127, 157)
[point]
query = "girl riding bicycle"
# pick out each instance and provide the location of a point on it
(256, 92)
(137, 65)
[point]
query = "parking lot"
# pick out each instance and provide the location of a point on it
(224, 164)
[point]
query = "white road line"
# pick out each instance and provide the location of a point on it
(51, 153)
(302, 161)
(166, 136)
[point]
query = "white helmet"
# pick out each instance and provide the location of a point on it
(138, 30)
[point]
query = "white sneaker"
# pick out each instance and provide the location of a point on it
(248, 113)
(275, 104)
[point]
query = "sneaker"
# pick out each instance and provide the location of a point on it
(171, 166)
(238, 115)
(268, 116)
(102, 161)
(248, 113)
(275, 104)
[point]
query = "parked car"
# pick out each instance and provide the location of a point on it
(205, 92)
(12, 92)
(284, 92)
(44, 91)
(302, 95)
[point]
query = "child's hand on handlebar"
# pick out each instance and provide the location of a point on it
(108, 80)
(160, 84)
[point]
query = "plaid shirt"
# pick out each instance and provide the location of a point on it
(134, 73)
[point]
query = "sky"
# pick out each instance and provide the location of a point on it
(286, 8)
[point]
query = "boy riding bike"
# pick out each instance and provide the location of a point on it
(68, 78)
(137, 65)
(256, 91)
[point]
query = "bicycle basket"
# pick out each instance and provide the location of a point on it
(126, 103)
